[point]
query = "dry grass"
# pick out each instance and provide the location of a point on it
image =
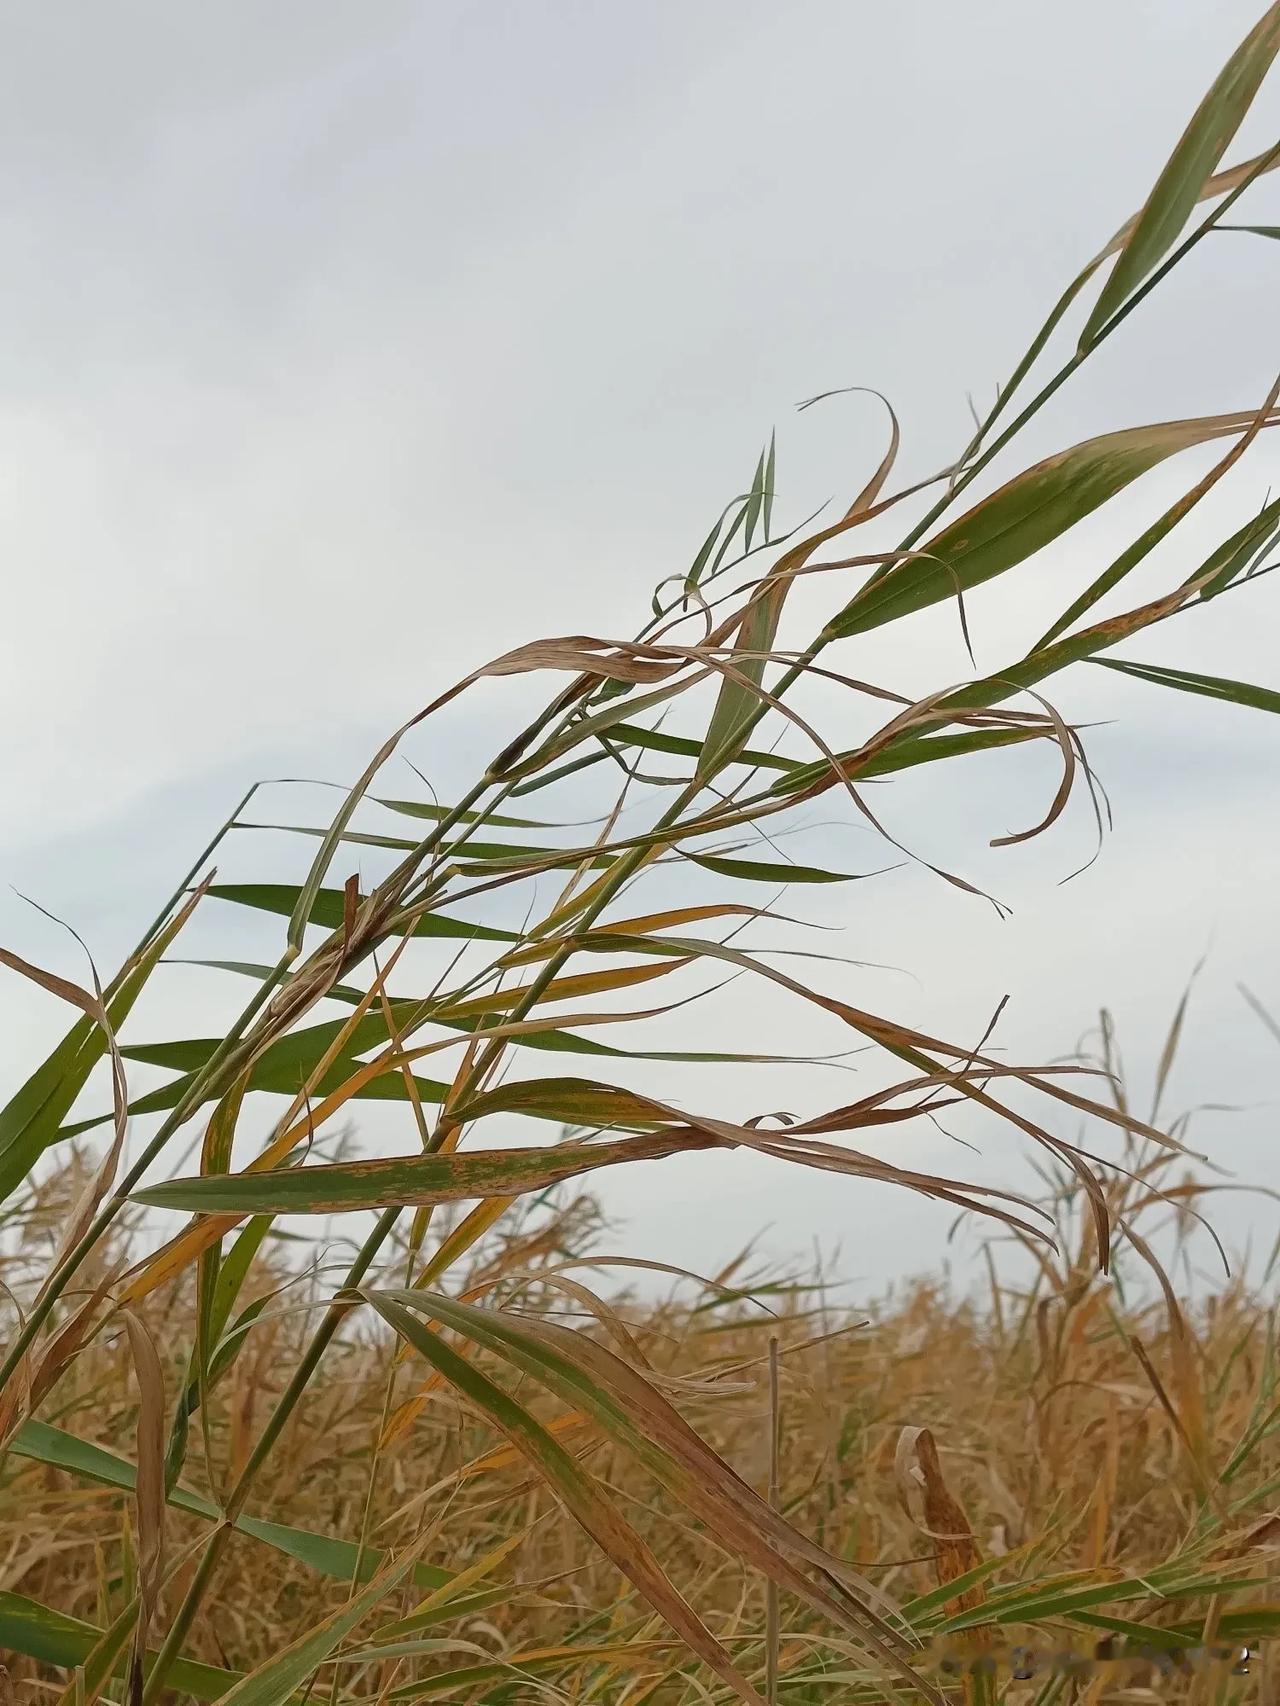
(1069, 1434)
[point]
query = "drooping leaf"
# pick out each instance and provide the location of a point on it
(914, 1047)
(579, 1493)
(434, 814)
(773, 871)
(631, 1412)
(413, 1180)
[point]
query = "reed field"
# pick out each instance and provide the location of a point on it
(308, 1399)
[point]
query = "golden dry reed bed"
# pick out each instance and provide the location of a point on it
(1095, 1464)
(439, 1461)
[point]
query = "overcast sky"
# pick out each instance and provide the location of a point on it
(345, 346)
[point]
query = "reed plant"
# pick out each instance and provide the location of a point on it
(462, 1464)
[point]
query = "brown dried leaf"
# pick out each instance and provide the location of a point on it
(917, 1468)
